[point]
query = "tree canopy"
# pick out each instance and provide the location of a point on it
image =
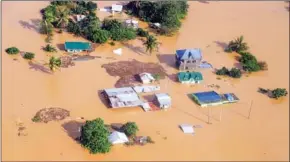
(12, 50)
(94, 136)
(279, 92)
(130, 128)
(167, 13)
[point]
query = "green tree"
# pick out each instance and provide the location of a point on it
(130, 128)
(238, 45)
(94, 136)
(249, 62)
(91, 6)
(12, 50)
(235, 73)
(28, 56)
(54, 63)
(279, 92)
(74, 28)
(222, 71)
(49, 48)
(46, 27)
(99, 36)
(62, 14)
(151, 43)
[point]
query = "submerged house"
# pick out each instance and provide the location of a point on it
(188, 59)
(76, 47)
(212, 98)
(122, 97)
(163, 100)
(189, 77)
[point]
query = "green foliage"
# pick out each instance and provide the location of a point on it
(12, 50)
(74, 28)
(49, 14)
(249, 62)
(28, 56)
(94, 136)
(80, 10)
(117, 31)
(142, 33)
(222, 71)
(91, 6)
(238, 45)
(49, 48)
(235, 73)
(167, 13)
(36, 119)
(130, 128)
(151, 43)
(46, 27)
(279, 92)
(54, 63)
(59, 3)
(99, 36)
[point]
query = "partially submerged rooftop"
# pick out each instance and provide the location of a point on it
(123, 97)
(77, 46)
(185, 54)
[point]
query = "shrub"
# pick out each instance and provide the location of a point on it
(279, 92)
(99, 36)
(130, 128)
(12, 50)
(222, 71)
(235, 73)
(122, 34)
(237, 45)
(249, 62)
(28, 55)
(74, 28)
(94, 136)
(36, 119)
(142, 33)
(49, 48)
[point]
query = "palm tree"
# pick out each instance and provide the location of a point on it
(46, 27)
(54, 63)
(49, 48)
(237, 45)
(151, 43)
(62, 14)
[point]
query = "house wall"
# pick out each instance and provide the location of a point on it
(188, 64)
(74, 51)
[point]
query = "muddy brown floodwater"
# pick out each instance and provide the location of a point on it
(27, 88)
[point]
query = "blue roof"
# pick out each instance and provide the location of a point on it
(194, 53)
(229, 97)
(207, 97)
(77, 45)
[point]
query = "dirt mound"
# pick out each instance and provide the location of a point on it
(50, 114)
(127, 71)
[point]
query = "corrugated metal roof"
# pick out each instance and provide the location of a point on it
(185, 54)
(186, 76)
(77, 45)
(208, 97)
